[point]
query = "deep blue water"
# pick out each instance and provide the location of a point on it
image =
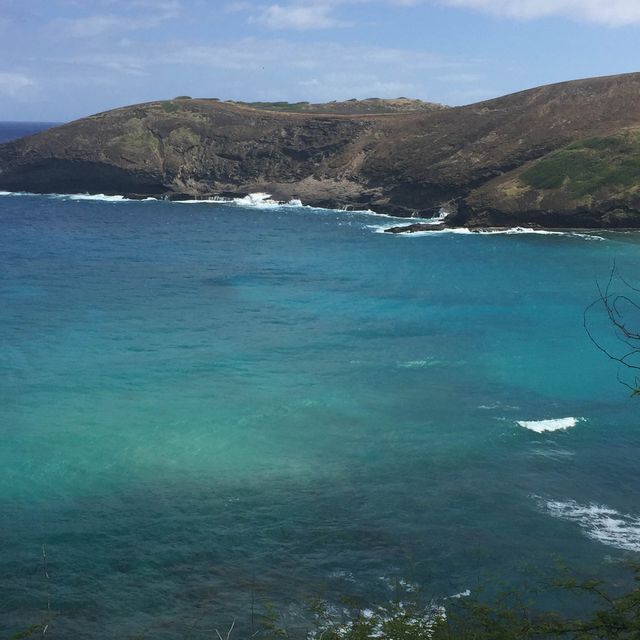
(13, 130)
(209, 405)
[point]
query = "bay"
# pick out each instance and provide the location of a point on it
(208, 407)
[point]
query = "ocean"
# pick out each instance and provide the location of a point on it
(13, 130)
(208, 407)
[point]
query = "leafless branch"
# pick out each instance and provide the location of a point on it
(618, 307)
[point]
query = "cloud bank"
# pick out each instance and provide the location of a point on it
(613, 13)
(14, 84)
(300, 17)
(319, 14)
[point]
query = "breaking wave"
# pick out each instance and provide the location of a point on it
(95, 197)
(554, 424)
(258, 200)
(600, 523)
(484, 232)
(263, 200)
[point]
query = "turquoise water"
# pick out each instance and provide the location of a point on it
(206, 407)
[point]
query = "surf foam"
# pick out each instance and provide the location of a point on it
(554, 424)
(600, 523)
(483, 232)
(263, 200)
(418, 364)
(258, 200)
(97, 197)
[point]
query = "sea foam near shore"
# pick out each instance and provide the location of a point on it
(480, 232)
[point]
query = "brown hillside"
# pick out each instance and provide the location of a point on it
(473, 159)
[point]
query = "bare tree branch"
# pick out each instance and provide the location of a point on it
(622, 312)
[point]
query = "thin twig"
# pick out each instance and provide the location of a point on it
(45, 568)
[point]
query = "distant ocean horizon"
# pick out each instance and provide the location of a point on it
(210, 407)
(11, 130)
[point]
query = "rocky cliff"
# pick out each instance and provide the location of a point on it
(563, 155)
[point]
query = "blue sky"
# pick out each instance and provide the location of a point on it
(62, 59)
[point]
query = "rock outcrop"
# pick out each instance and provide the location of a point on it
(563, 155)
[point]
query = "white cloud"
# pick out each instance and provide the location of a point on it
(122, 64)
(353, 84)
(300, 17)
(239, 6)
(613, 13)
(277, 69)
(13, 84)
(93, 26)
(147, 15)
(460, 78)
(256, 54)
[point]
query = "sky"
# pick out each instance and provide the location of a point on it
(64, 59)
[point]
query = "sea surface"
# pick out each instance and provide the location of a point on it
(13, 130)
(208, 407)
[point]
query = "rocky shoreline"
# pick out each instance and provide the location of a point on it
(563, 156)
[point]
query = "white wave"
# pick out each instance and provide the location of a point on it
(443, 214)
(98, 197)
(405, 219)
(414, 364)
(203, 201)
(259, 200)
(482, 232)
(554, 424)
(419, 364)
(18, 193)
(263, 200)
(600, 523)
(439, 219)
(498, 405)
(463, 594)
(341, 623)
(340, 574)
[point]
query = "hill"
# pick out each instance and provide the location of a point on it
(562, 155)
(348, 107)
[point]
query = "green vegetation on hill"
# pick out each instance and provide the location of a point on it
(277, 106)
(347, 107)
(587, 166)
(170, 106)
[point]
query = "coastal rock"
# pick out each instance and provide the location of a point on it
(415, 228)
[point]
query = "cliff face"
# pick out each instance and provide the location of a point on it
(560, 155)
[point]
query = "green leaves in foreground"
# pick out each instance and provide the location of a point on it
(488, 614)
(31, 632)
(504, 615)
